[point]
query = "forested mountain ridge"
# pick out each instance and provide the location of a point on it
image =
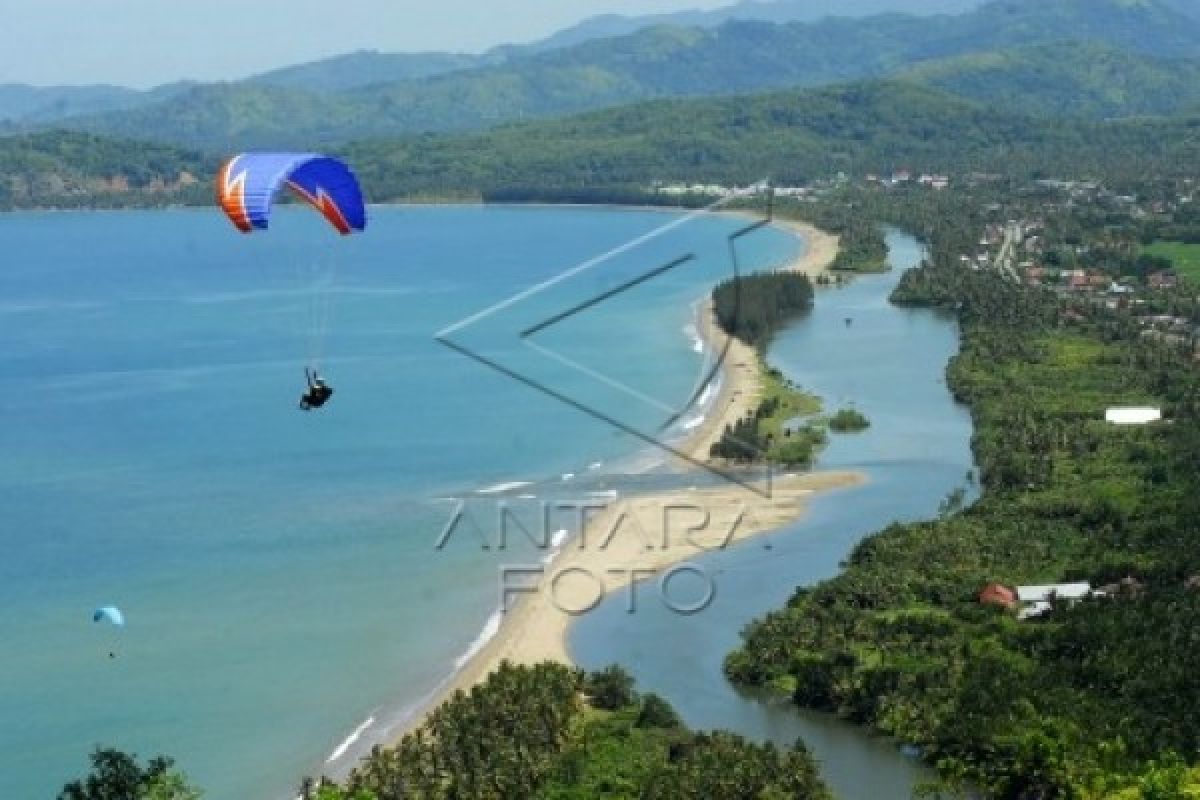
(26, 103)
(368, 67)
(671, 61)
(1082, 79)
(793, 136)
(67, 170)
(36, 104)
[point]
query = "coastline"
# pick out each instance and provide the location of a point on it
(740, 379)
(631, 540)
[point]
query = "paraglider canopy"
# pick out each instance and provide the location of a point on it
(109, 614)
(247, 185)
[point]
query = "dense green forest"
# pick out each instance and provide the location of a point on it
(549, 732)
(1095, 699)
(849, 420)
(118, 776)
(754, 307)
(546, 732)
(1083, 79)
(795, 137)
(69, 170)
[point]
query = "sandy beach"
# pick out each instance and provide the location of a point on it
(634, 538)
(741, 383)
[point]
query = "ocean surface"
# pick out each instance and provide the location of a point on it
(855, 350)
(286, 596)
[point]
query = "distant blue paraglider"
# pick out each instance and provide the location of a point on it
(110, 614)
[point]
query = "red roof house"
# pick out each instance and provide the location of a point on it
(997, 594)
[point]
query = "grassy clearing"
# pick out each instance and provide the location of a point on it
(1185, 257)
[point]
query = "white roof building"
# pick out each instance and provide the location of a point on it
(1037, 600)
(1132, 416)
(1035, 610)
(1043, 594)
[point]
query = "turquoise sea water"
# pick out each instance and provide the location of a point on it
(278, 570)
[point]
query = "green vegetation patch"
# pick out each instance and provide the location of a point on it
(772, 432)
(536, 732)
(861, 248)
(754, 307)
(1184, 257)
(848, 420)
(1096, 699)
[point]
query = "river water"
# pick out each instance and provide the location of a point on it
(888, 363)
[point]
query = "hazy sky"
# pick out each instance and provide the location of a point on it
(147, 42)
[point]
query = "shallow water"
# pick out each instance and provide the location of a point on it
(889, 363)
(278, 570)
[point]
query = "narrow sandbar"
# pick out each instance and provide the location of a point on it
(635, 537)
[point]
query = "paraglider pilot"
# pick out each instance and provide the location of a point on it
(318, 393)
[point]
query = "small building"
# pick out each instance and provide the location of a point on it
(1128, 586)
(1051, 591)
(1034, 610)
(1078, 283)
(1132, 416)
(997, 594)
(1037, 600)
(1163, 279)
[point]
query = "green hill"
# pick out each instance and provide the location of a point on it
(608, 25)
(738, 56)
(793, 136)
(365, 68)
(34, 104)
(19, 102)
(1078, 79)
(67, 169)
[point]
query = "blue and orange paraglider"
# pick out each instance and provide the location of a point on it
(248, 183)
(247, 186)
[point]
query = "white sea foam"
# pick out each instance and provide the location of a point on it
(33, 307)
(566, 476)
(708, 393)
(692, 423)
(350, 740)
(490, 629)
(527, 497)
(220, 298)
(556, 543)
(503, 487)
(595, 465)
(692, 333)
(609, 494)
